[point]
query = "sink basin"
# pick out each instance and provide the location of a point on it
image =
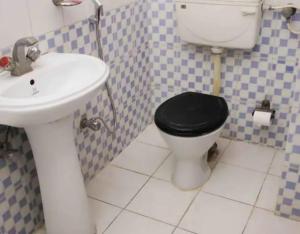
(43, 102)
(62, 83)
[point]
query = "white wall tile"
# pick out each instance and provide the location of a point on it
(15, 22)
(77, 13)
(112, 4)
(45, 16)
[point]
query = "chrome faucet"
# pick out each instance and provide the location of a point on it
(22, 60)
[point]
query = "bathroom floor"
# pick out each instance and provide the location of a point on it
(134, 194)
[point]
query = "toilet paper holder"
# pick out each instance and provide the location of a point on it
(265, 107)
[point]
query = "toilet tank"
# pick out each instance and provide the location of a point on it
(219, 23)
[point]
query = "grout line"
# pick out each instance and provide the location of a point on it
(147, 143)
(124, 208)
(227, 198)
(141, 188)
(187, 209)
(108, 203)
(149, 217)
(258, 195)
(131, 170)
(246, 168)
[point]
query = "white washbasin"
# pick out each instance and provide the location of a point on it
(62, 83)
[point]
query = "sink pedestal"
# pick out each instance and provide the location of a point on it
(64, 197)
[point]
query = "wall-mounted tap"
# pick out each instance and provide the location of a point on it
(22, 60)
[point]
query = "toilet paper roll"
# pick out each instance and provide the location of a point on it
(261, 118)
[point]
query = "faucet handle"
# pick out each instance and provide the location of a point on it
(33, 53)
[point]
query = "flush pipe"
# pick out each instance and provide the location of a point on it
(216, 57)
(95, 20)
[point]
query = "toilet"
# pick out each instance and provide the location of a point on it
(190, 123)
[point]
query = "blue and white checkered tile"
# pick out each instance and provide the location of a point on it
(164, 66)
(230, 128)
(56, 41)
(286, 44)
(296, 90)
(265, 44)
(81, 38)
(143, 81)
(280, 81)
(230, 75)
(163, 22)
(288, 203)
(160, 95)
(293, 141)
(142, 22)
(252, 86)
(118, 33)
(194, 68)
(20, 202)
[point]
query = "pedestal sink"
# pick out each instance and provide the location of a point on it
(43, 102)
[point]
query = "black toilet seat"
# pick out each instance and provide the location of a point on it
(191, 114)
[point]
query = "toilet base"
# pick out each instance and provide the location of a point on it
(190, 174)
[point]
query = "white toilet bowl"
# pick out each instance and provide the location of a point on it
(191, 123)
(190, 169)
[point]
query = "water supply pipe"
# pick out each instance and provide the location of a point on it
(216, 57)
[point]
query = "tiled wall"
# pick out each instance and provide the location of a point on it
(269, 70)
(247, 76)
(125, 41)
(288, 204)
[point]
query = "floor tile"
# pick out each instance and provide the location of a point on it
(141, 157)
(129, 223)
(277, 164)
(235, 183)
(165, 170)
(115, 185)
(180, 231)
(152, 136)
(250, 156)
(265, 222)
(268, 195)
(215, 215)
(161, 200)
(103, 214)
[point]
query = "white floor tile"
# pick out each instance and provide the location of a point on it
(103, 214)
(278, 162)
(129, 223)
(166, 169)
(115, 185)
(235, 183)
(265, 222)
(141, 157)
(250, 156)
(215, 215)
(161, 200)
(152, 136)
(180, 231)
(268, 196)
